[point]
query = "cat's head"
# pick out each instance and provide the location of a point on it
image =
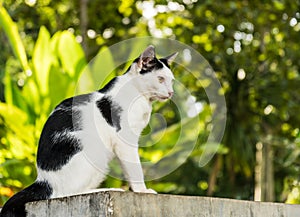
(154, 76)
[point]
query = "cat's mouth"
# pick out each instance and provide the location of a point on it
(159, 98)
(163, 98)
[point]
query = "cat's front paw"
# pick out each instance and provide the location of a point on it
(147, 191)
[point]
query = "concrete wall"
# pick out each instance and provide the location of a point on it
(127, 204)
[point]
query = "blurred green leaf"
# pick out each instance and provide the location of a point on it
(11, 30)
(16, 121)
(71, 55)
(103, 67)
(42, 59)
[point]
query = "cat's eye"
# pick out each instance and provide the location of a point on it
(161, 79)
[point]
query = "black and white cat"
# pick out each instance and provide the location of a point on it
(85, 132)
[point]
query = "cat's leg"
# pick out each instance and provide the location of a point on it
(130, 161)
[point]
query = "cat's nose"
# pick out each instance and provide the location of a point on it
(171, 94)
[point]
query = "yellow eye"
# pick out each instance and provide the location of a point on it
(161, 79)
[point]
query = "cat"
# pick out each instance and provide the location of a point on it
(84, 133)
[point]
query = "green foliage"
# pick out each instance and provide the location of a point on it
(252, 47)
(11, 31)
(29, 101)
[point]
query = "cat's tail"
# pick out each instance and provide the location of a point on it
(15, 206)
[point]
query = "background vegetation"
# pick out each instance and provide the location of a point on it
(252, 45)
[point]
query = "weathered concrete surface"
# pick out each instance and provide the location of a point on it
(128, 204)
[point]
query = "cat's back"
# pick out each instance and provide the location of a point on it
(67, 114)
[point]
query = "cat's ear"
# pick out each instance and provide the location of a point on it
(147, 56)
(171, 58)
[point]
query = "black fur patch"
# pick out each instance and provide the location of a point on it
(111, 112)
(165, 62)
(109, 85)
(154, 64)
(62, 120)
(53, 153)
(15, 206)
(56, 147)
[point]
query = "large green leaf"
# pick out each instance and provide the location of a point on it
(34, 106)
(13, 95)
(66, 85)
(8, 92)
(62, 89)
(102, 67)
(71, 54)
(73, 63)
(42, 59)
(11, 30)
(86, 83)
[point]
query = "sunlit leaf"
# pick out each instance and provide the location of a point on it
(42, 59)
(62, 89)
(31, 89)
(71, 54)
(103, 67)
(11, 30)
(17, 121)
(8, 88)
